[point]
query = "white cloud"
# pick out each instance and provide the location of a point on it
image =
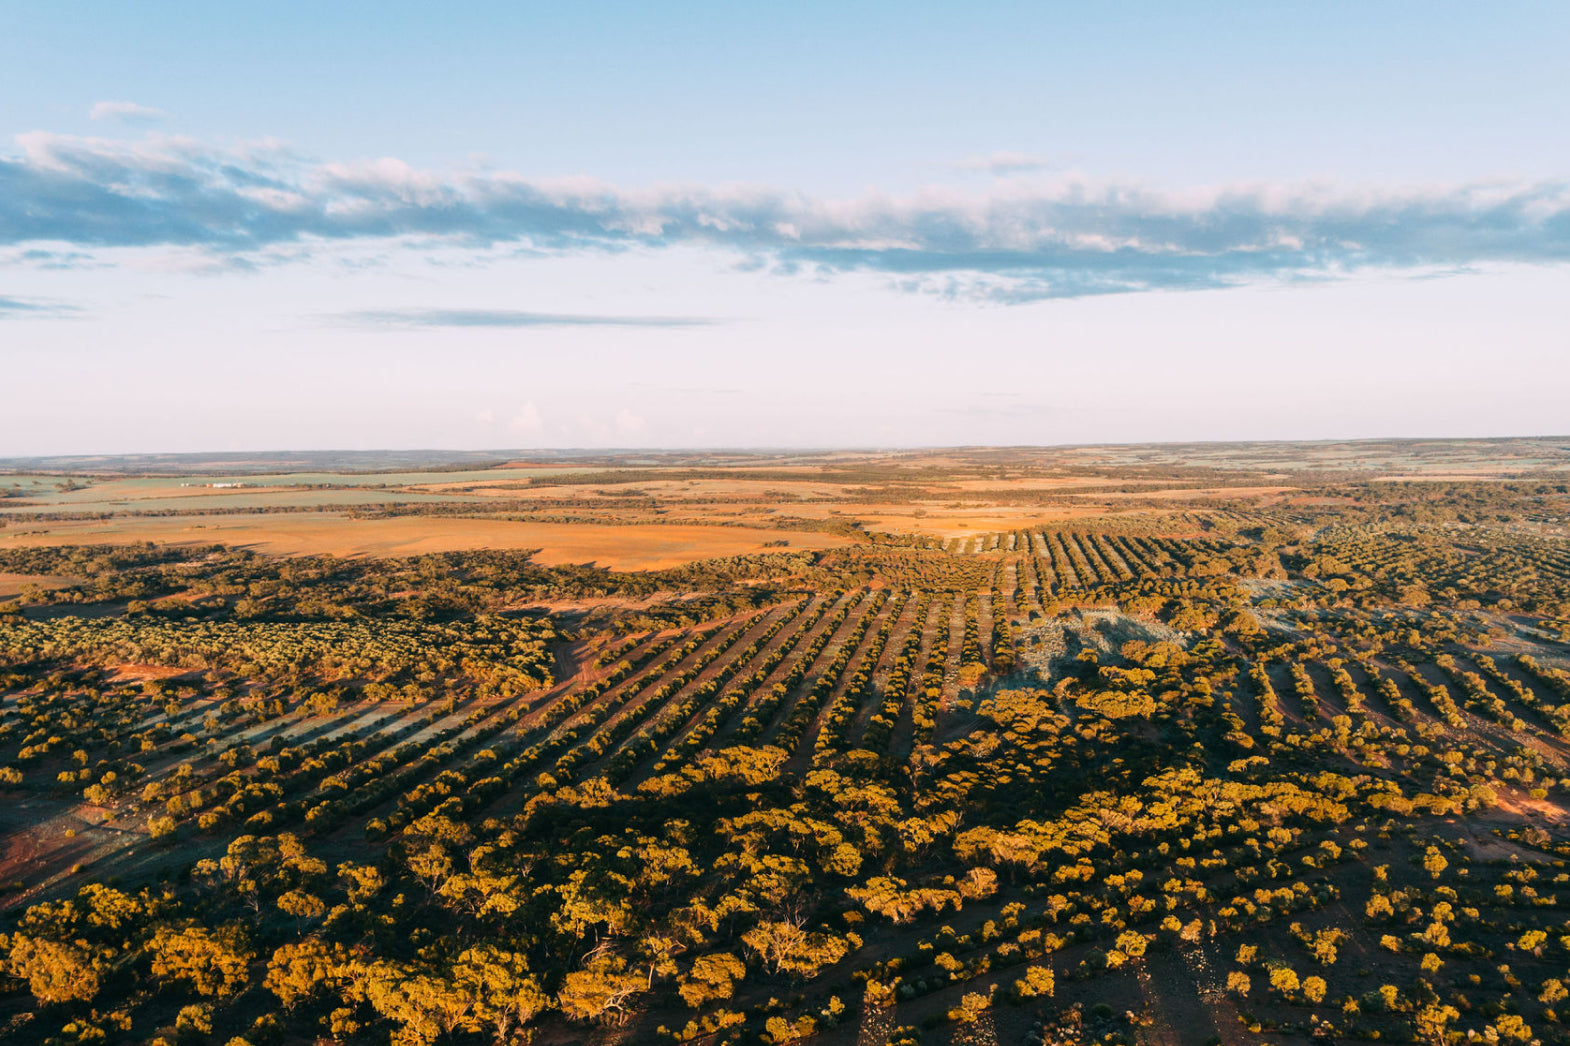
(128, 112)
(527, 420)
(629, 424)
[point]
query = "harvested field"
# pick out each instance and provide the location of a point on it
(629, 547)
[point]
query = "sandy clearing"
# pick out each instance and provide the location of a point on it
(634, 547)
(136, 673)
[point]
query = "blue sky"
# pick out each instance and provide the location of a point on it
(478, 225)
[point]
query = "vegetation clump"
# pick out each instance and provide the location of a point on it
(1303, 760)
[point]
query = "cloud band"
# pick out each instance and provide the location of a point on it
(1017, 242)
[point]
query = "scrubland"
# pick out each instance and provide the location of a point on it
(1157, 745)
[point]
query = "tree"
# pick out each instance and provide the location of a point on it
(712, 978)
(301, 905)
(600, 991)
(54, 972)
(432, 866)
(425, 1007)
(972, 1007)
(1512, 1026)
(1324, 945)
(786, 948)
(363, 881)
(300, 970)
(212, 963)
(1431, 1020)
(890, 897)
(779, 1031)
(1131, 943)
(1038, 982)
(978, 883)
(504, 995)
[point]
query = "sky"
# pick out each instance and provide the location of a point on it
(487, 225)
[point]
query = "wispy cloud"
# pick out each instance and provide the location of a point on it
(1017, 242)
(127, 112)
(35, 308)
(1007, 163)
(39, 258)
(505, 318)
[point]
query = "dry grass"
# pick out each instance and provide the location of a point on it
(13, 584)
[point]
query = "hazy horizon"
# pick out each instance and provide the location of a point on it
(351, 461)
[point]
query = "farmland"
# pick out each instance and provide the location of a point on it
(1171, 745)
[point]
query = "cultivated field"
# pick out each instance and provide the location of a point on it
(1224, 744)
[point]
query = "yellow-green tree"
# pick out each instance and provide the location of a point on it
(209, 962)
